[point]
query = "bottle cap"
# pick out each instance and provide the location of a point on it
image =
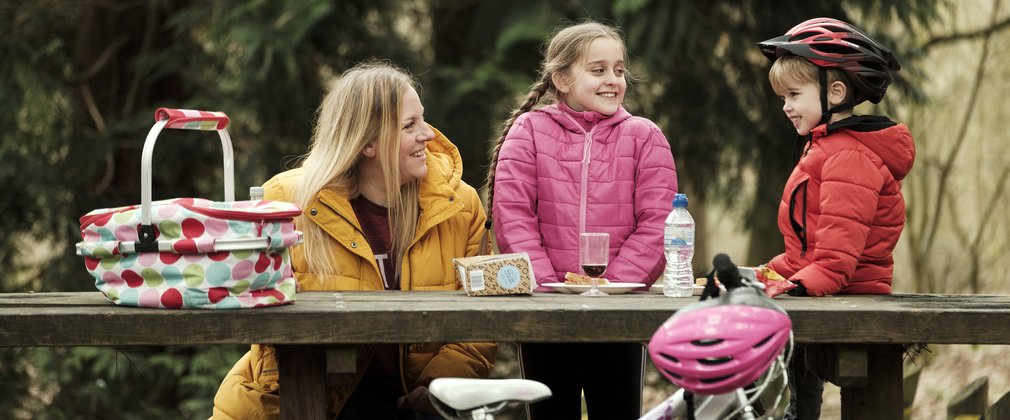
(255, 193)
(680, 200)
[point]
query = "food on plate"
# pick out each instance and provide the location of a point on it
(573, 279)
(701, 281)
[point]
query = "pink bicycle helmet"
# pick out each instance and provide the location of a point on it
(717, 347)
(831, 43)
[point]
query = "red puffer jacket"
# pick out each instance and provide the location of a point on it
(842, 210)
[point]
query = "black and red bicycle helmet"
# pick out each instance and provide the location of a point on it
(831, 43)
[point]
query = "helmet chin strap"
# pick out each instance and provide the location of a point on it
(802, 141)
(823, 78)
(826, 113)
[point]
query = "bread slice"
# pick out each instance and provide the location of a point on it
(579, 279)
(701, 281)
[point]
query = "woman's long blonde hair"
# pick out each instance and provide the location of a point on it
(362, 107)
(566, 46)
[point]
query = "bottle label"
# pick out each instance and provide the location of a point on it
(676, 235)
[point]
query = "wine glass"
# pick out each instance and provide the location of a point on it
(594, 252)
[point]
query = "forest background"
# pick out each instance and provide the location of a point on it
(80, 80)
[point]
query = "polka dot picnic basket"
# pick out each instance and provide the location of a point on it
(192, 252)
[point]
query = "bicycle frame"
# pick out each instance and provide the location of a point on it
(705, 406)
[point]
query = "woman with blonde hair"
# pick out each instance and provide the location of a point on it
(384, 208)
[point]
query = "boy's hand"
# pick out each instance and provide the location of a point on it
(799, 290)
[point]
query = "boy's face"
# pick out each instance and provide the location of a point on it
(597, 82)
(801, 104)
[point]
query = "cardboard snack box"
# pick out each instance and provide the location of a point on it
(493, 275)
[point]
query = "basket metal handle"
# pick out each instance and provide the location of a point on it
(182, 119)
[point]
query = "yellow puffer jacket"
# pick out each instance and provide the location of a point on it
(450, 225)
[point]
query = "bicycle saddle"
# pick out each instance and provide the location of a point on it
(467, 394)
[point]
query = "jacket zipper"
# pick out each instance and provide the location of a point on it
(584, 184)
(800, 229)
(245, 216)
(241, 215)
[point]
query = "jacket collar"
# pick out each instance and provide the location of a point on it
(583, 121)
(891, 141)
(437, 196)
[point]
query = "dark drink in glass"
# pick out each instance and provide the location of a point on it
(594, 270)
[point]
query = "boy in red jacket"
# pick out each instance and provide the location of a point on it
(842, 210)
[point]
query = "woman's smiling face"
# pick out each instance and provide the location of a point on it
(414, 137)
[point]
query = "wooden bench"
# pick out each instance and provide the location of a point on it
(318, 334)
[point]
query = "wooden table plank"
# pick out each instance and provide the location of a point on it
(87, 319)
(305, 329)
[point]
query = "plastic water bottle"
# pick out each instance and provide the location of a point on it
(678, 244)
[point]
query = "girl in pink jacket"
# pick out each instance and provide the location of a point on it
(582, 163)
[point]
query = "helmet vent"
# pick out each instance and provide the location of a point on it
(714, 360)
(670, 358)
(709, 342)
(762, 342)
(862, 44)
(714, 380)
(802, 35)
(836, 49)
(672, 374)
(873, 66)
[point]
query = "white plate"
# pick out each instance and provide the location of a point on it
(610, 289)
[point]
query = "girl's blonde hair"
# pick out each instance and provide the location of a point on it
(361, 108)
(796, 69)
(565, 48)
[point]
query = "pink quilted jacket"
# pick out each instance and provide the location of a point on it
(561, 172)
(842, 210)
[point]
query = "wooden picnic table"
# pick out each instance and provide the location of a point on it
(317, 336)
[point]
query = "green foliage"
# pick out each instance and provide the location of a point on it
(122, 383)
